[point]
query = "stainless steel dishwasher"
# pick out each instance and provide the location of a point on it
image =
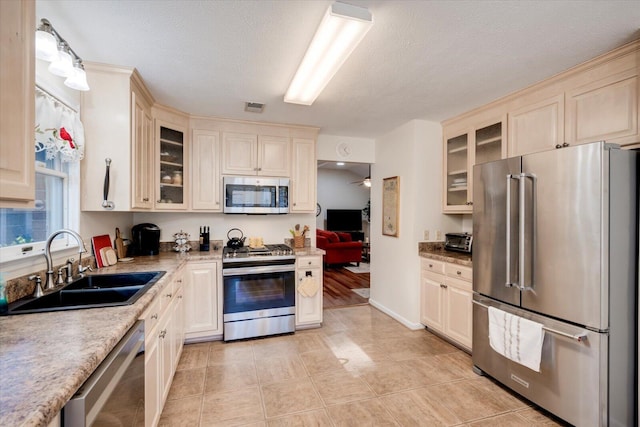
(114, 394)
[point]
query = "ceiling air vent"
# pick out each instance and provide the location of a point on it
(253, 107)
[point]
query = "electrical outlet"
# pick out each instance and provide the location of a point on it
(439, 236)
(426, 235)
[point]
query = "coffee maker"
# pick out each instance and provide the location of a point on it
(146, 239)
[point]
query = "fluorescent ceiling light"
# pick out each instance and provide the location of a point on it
(341, 29)
(339, 163)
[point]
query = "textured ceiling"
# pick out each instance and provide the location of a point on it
(421, 59)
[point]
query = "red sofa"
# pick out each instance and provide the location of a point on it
(339, 247)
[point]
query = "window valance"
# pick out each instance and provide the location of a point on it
(59, 130)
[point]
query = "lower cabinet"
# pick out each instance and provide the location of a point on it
(308, 292)
(164, 338)
(203, 301)
(446, 296)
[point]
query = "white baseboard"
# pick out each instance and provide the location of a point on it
(411, 325)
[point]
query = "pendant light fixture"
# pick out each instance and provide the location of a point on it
(50, 46)
(341, 30)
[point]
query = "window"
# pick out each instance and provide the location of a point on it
(59, 145)
(24, 231)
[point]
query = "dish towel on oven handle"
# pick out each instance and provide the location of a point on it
(308, 286)
(516, 338)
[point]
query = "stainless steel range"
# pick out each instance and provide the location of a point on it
(259, 291)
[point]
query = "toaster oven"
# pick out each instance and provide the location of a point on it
(460, 242)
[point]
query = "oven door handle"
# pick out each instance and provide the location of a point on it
(243, 271)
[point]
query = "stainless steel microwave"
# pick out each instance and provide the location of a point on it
(255, 195)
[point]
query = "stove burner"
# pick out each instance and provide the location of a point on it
(266, 252)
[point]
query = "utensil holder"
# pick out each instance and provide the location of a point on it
(298, 241)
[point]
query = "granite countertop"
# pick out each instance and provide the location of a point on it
(46, 357)
(435, 250)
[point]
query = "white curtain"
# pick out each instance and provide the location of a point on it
(59, 130)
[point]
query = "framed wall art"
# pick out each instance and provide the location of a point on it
(390, 206)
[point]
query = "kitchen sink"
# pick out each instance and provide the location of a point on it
(95, 291)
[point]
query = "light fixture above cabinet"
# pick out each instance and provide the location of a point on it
(51, 47)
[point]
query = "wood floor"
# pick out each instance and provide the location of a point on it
(338, 283)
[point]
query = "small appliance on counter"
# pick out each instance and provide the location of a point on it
(459, 242)
(146, 239)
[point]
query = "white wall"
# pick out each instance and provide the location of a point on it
(362, 149)
(272, 228)
(412, 152)
(336, 191)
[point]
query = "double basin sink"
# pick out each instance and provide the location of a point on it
(95, 291)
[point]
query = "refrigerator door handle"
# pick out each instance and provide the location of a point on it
(508, 282)
(580, 337)
(522, 229)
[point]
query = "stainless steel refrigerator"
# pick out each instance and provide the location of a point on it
(555, 241)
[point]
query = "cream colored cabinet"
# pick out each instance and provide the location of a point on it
(463, 147)
(152, 386)
(446, 300)
(432, 301)
(205, 171)
(116, 117)
(605, 109)
(537, 127)
(252, 154)
(304, 176)
(457, 191)
(172, 157)
(203, 301)
(143, 152)
(17, 115)
(164, 339)
(308, 292)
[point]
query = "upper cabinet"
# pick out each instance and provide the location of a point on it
(597, 100)
(205, 170)
(251, 154)
(537, 127)
(116, 114)
(464, 147)
(303, 176)
(605, 109)
(171, 168)
(17, 104)
(142, 150)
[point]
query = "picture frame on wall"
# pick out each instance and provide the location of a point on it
(390, 206)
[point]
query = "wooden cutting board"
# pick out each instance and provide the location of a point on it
(118, 243)
(99, 242)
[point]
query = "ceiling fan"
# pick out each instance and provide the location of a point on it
(366, 181)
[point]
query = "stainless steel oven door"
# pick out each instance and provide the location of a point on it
(114, 393)
(248, 289)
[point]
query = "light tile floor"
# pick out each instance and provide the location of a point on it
(361, 368)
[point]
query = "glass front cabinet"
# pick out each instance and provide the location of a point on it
(465, 146)
(172, 172)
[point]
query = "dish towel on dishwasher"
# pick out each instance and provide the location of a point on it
(516, 338)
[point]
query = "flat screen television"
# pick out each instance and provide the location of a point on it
(344, 219)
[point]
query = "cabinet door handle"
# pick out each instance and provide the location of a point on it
(458, 272)
(168, 295)
(430, 265)
(443, 286)
(154, 316)
(163, 333)
(179, 296)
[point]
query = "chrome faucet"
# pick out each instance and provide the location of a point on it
(47, 254)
